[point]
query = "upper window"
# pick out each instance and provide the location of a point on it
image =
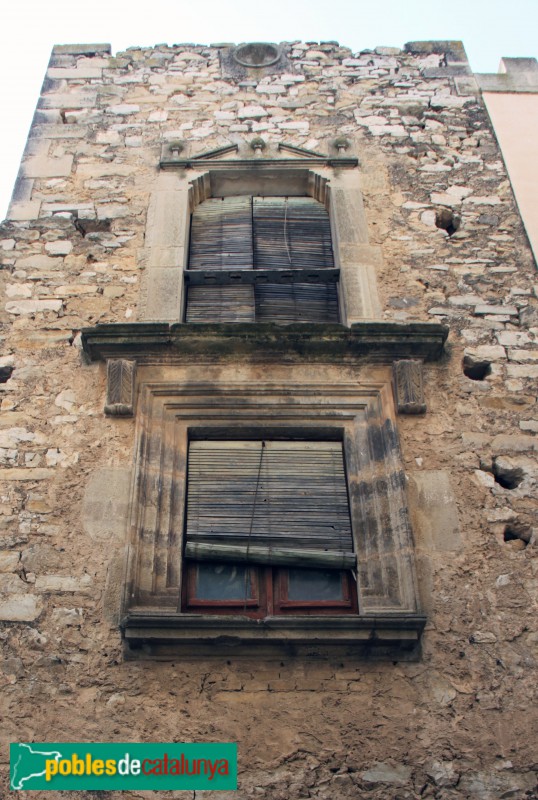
(261, 259)
(268, 529)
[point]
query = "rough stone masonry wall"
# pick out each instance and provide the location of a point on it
(458, 723)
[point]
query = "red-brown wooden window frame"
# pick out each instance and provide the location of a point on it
(270, 596)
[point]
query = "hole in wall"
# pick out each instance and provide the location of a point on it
(518, 532)
(476, 370)
(5, 374)
(85, 226)
(507, 475)
(446, 220)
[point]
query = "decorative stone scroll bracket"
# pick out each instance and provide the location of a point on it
(120, 394)
(408, 386)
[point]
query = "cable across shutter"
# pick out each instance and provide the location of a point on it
(291, 233)
(269, 502)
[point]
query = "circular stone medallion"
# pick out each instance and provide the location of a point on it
(257, 54)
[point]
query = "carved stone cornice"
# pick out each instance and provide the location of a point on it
(157, 342)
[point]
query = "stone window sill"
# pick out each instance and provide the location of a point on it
(153, 632)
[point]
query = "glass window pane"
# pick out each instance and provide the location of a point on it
(315, 584)
(222, 582)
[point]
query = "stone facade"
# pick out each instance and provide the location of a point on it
(399, 146)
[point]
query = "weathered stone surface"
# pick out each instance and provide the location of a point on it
(387, 773)
(9, 560)
(434, 511)
(105, 507)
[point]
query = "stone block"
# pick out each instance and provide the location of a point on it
(82, 49)
(63, 583)
(347, 211)
(56, 208)
(522, 371)
(20, 608)
(75, 290)
(21, 474)
(483, 308)
(387, 773)
(11, 584)
(433, 511)
(167, 219)
(163, 256)
(113, 210)
(45, 167)
(251, 112)
(22, 193)
(9, 560)
(485, 353)
(529, 425)
(58, 132)
(19, 212)
(18, 307)
(123, 109)
(164, 290)
(38, 262)
(104, 170)
(86, 98)
(514, 442)
(84, 73)
(61, 247)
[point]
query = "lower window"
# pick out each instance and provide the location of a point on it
(268, 529)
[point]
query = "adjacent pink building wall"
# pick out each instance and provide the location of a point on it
(511, 98)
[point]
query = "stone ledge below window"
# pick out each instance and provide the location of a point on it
(148, 342)
(151, 632)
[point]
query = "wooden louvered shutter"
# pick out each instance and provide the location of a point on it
(268, 502)
(221, 234)
(221, 239)
(291, 233)
(248, 234)
(286, 303)
(220, 303)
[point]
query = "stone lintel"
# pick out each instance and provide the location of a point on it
(152, 342)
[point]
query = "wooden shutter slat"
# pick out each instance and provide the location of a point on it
(270, 555)
(220, 303)
(297, 500)
(221, 234)
(296, 302)
(291, 233)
